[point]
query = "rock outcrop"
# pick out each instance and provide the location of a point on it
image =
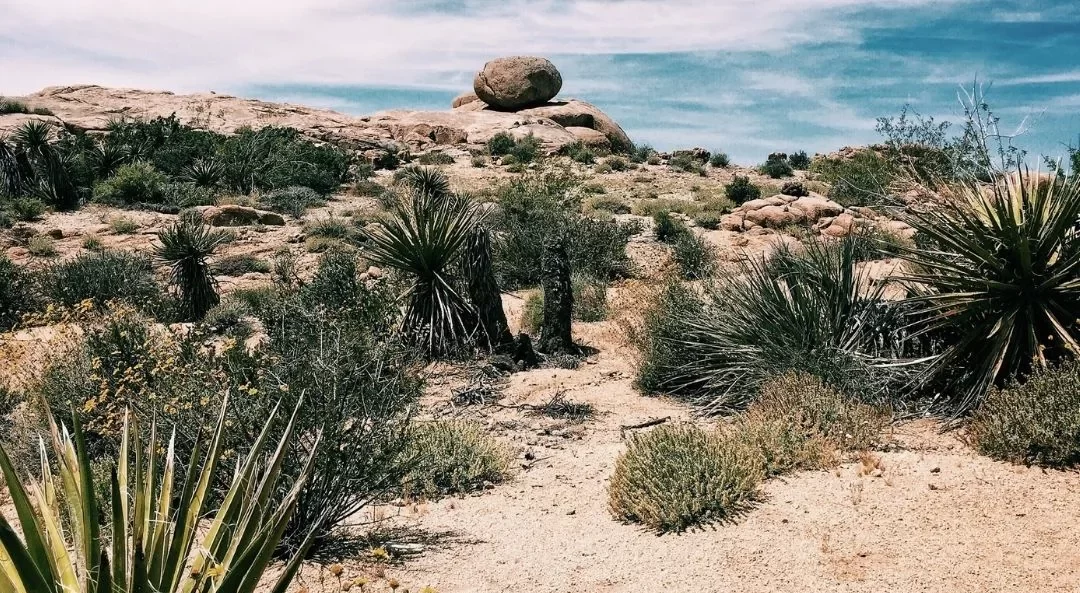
(517, 82)
(813, 212)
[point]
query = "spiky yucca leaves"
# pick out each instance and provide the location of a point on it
(153, 545)
(185, 246)
(424, 237)
(1002, 277)
(204, 172)
(814, 312)
(104, 158)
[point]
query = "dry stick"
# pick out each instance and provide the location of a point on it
(647, 424)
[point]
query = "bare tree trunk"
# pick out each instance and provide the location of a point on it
(555, 335)
(484, 291)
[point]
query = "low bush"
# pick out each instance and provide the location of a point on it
(294, 200)
(42, 245)
(777, 166)
(794, 188)
(123, 225)
(617, 163)
(368, 188)
(501, 144)
(435, 158)
(1035, 422)
(800, 161)
(238, 265)
(102, 277)
(523, 150)
(578, 152)
(643, 153)
(740, 190)
(863, 179)
(686, 162)
(12, 106)
(479, 161)
(709, 220)
(135, 183)
(610, 204)
(25, 209)
(18, 294)
(331, 228)
(719, 160)
(694, 256)
(678, 476)
(665, 228)
(453, 457)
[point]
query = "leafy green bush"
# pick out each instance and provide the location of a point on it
(454, 456)
(294, 200)
(863, 179)
(777, 166)
(678, 476)
(1035, 422)
(617, 163)
(102, 277)
(610, 204)
(740, 190)
(641, 153)
(479, 161)
(12, 106)
(1002, 280)
(26, 209)
(187, 195)
(501, 144)
(17, 293)
(578, 152)
(435, 158)
(800, 161)
(539, 206)
(523, 150)
(719, 160)
(274, 157)
(813, 312)
(137, 183)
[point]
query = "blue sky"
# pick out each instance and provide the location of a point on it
(746, 76)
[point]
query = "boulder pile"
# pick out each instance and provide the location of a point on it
(812, 211)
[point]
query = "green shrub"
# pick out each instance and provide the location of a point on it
(501, 144)
(294, 200)
(812, 312)
(543, 205)
(238, 265)
(740, 190)
(532, 313)
(686, 162)
(603, 168)
(369, 189)
(777, 166)
(608, 204)
(679, 476)
(709, 220)
(666, 228)
(479, 161)
(435, 158)
(1034, 422)
(1001, 283)
(794, 188)
(799, 161)
(331, 228)
(616, 163)
(27, 209)
(230, 317)
(136, 183)
(12, 106)
(454, 457)
(123, 225)
(102, 277)
(695, 257)
(654, 159)
(578, 152)
(272, 158)
(719, 160)
(642, 153)
(18, 294)
(186, 247)
(363, 171)
(93, 243)
(863, 179)
(187, 195)
(41, 245)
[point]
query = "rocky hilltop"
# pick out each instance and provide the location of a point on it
(469, 123)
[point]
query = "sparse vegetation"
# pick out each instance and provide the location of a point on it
(41, 245)
(435, 158)
(800, 161)
(454, 457)
(523, 150)
(238, 265)
(123, 225)
(740, 190)
(695, 257)
(101, 277)
(295, 200)
(17, 293)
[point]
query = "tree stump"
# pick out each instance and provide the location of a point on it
(555, 335)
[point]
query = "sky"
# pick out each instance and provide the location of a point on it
(748, 77)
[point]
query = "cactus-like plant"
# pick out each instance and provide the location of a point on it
(185, 246)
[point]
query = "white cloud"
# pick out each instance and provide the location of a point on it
(200, 44)
(1051, 78)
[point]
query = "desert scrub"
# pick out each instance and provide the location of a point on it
(18, 294)
(42, 246)
(610, 204)
(293, 201)
(741, 190)
(719, 160)
(679, 476)
(123, 225)
(709, 220)
(695, 257)
(136, 183)
(863, 179)
(1035, 422)
(522, 150)
(238, 265)
(102, 276)
(798, 422)
(435, 158)
(776, 166)
(799, 160)
(590, 303)
(454, 457)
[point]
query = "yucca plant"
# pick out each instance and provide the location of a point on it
(814, 312)
(105, 158)
(204, 172)
(423, 238)
(154, 521)
(185, 246)
(1001, 277)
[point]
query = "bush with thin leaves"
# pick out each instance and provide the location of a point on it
(741, 190)
(1035, 422)
(18, 294)
(137, 183)
(424, 238)
(454, 457)
(157, 543)
(186, 247)
(815, 312)
(1003, 279)
(679, 476)
(103, 276)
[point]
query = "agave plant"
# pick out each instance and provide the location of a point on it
(814, 312)
(185, 246)
(424, 237)
(1002, 278)
(204, 172)
(155, 522)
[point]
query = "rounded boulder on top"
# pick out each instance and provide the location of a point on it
(517, 82)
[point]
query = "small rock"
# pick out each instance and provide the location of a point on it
(936, 470)
(56, 233)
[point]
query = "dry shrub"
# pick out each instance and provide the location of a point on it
(678, 476)
(454, 456)
(1037, 422)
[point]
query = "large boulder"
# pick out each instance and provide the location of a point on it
(574, 113)
(464, 99)
(517, 82)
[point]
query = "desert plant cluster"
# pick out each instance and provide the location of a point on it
(363, 370)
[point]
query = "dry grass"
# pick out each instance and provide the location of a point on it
(453, 457)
